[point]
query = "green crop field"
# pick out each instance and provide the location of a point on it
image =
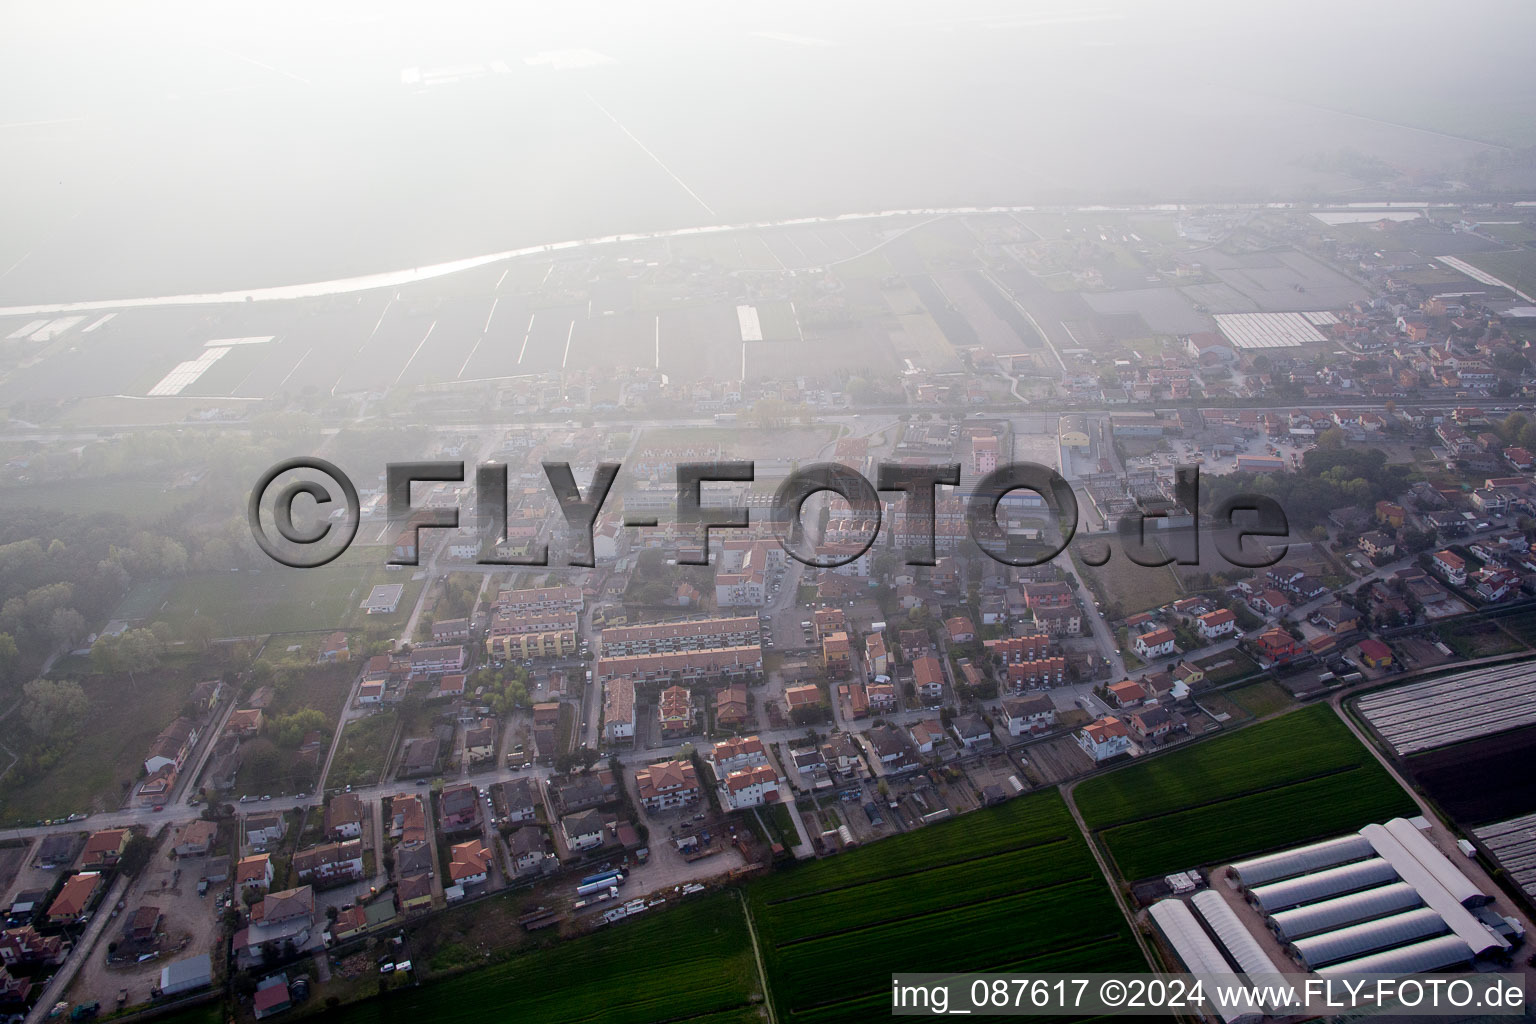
(693, 963)
(1010, 888)
(1296, 778)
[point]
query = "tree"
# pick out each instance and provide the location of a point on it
(136, 855)
(53, 707)
(1332, 439)
(9, 658)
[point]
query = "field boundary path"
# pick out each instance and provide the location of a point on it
(1108, 876)
(757, 957)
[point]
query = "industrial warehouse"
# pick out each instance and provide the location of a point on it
(1384, 900)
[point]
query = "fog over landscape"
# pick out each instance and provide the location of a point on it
(766, 511)
(177, 148)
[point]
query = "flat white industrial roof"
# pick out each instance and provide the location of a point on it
(751, 326)
(184, 374)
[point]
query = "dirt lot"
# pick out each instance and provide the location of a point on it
(11, 860)
(1055, 760)
(189, 922)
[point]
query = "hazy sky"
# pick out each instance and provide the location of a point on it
(177, 147)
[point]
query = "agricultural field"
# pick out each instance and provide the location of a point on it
(613, 977)
(1516, 267)
(1295, 778)
(1010, 888)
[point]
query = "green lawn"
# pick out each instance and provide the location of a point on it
(690, 963)
(1262, 698)
(1279, 783)
(1010, 888)
(364, 747)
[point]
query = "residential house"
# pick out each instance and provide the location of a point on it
(171, 746)
(1127, 693)
(731, 708)
(961, 630)
(1278, 646)
(449, 630)
(264, 828)
(254, 872)
(841, 752)
(344, 816)
(459, 808)
(1377, 544)
(928, 679)
(735, 755)
(891, 747)
(1452, 566)
(103, 848)
(666, 785)
(1220, 623)
(196, 839)
(527, 848)
(876, 658)
(749, 787)
(675, 712)
(582, 831)
(1338, 617)
(1031, 714)
(619, 709)
(926, 735)
(1374, 653)
(480, 742)
(330, 862)
(1152, 725)
(516, 800)
(333, 649)
(1269, 602)
(1157, 643)
(1104, 739)
(74, 897)
(882, 697)
(414, 892)
(469, 863)
(972, 731)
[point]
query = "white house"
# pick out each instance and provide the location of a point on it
(667, 784)
(735, 755)
(1029, 714)
(1216, 624)
(1104, 739)
(749, 787)
(1156, 644)
(582, 831)
(619, 708)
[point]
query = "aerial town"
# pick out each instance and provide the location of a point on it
(238, 790)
